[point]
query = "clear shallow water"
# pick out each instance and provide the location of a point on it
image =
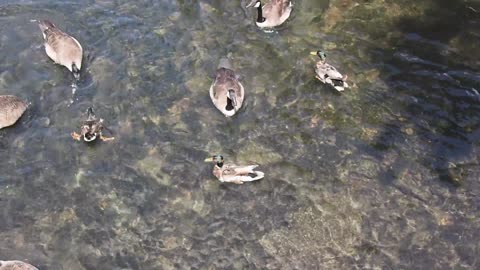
(384, 176)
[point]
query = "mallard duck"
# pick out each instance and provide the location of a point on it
(272, 14)
(91, 129)
(226, 92)
(16, 265)
(62, 48)
(232, 173)
(11, 109)
(328, 74)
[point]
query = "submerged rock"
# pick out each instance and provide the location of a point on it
(314, 236)
(11, 109)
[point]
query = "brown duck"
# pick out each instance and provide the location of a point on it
(62, 48)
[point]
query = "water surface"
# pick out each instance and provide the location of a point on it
(383, 176)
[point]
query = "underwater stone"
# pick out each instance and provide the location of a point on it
(44, 122)
(152, 166)
(254, 152)
(313, 236)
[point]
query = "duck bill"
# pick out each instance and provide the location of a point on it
(313, 53)
(210, 159)
(76, 72)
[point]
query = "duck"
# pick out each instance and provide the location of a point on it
(328, 74)
(16, 265)
(11, 109)
(92, 129)
(226, 92)
(230, 173)
(62, 48)
(272, 14)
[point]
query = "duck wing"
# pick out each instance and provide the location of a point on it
(60, 47)
(277, 10)
(329, 70)
(11, 109)
(240, 174)
(63, 48)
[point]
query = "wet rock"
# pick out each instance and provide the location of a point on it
(43, 122)
(408, 131)
(252, 152)
(180, 106)
(103, 74)
(372, 75)
(313, 236)
(368, 134)
(152, 166)
(165, 263)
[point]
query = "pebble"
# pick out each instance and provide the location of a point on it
(44, 122)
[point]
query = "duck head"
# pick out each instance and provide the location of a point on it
(217, 159)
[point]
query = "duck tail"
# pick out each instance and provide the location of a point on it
(224, 63)
(258, 175)
(90, 114)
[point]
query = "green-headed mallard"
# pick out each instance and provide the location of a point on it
(328, 74)
(226, 92)
(11, 109)
(91, 129)
(232, 173)
(62, 48)
(272, 14)
(16, 265)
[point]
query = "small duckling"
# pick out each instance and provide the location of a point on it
(231, 173)
(16, 265)
(11, 109)
(272, 14)
(226, 92)
(62, 48)
(91, 129)
(328, 74)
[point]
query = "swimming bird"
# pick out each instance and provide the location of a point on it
(16, 265)
(231, 173)
(272, 14)
(226, 92)
(62, 48)
(328, 74)
(11, 109)
(92, 129)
